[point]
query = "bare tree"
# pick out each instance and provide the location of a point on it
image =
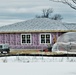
(45, 13)
(57, 17)
(71, 3)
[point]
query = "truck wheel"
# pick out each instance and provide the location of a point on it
(7, 51)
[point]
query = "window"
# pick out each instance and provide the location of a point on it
(26, 38)
(0, 46)
(45, 38)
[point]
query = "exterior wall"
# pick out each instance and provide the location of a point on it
(14, 40)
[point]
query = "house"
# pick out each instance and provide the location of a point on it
(35, 34)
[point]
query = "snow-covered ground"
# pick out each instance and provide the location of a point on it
(38, 68)
(26, 65)
(30, 59)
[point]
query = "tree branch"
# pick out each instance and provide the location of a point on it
(74, 1)
(63, 1)
(67, 2)
(71, 5)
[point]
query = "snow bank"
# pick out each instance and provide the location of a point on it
(26, 65)
(29, 59)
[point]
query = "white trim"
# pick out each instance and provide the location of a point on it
(45, 39)
(30, 39)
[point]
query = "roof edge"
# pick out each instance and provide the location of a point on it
(39, 31)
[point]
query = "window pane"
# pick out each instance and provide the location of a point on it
(23, 39)
(42, 38)
(23, 36)
(42, 41)
(28, 41)
(48, 38)
(28, 36)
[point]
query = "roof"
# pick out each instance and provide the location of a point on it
(38, 25)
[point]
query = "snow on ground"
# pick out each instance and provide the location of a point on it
(33, 65)
(38, 68)
(29, 59)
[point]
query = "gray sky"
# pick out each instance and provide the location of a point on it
(12, 11)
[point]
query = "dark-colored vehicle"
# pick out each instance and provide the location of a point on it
(4, 47)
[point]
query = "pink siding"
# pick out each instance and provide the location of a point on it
(2, 38)
(18, 39)
(14, 40)
(7, 38)
(35, 39)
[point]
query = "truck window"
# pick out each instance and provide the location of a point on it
(0, 46)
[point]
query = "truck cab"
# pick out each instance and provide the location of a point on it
(4, 48)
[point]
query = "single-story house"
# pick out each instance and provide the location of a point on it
(36, 33)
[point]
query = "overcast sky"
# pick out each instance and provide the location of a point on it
(12, 11)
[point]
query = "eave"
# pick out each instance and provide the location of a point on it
(40, 31)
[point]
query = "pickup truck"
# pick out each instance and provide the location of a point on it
(4, 47)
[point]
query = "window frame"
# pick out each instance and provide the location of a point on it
(45, 38)
(30, 39)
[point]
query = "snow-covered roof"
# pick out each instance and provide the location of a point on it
(70, 26)
(38, 25)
